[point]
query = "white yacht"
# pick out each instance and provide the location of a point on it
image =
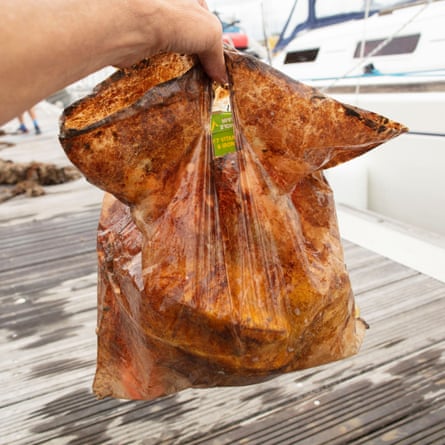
(387, 56)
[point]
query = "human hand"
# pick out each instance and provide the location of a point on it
(184, 26)
(74, 39)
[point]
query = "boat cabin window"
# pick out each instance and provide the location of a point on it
(307, 55)
(398, 45)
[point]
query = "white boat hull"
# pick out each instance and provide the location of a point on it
(403, 179)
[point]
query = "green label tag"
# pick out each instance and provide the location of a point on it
(223, 136)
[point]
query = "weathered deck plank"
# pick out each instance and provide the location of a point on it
(392, 392)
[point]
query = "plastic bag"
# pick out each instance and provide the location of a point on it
(216, 270)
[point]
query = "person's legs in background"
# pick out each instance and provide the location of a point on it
(22, 128)
(33, 115)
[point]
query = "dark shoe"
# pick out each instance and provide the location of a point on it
(22, 129)
(38, 130)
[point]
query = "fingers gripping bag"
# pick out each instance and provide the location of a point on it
(216, 269)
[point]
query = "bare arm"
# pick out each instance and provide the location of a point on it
(48, 44)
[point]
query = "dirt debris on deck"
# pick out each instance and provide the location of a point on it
(28, 178)
(47, 160)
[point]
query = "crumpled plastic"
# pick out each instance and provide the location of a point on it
(214, 270)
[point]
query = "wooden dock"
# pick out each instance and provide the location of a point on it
(393, 392)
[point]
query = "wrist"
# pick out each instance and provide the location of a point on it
(134, 31)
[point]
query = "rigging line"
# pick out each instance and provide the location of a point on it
(379, 47)
(362, 44)
(426, 133)
(265, 34)
(286, 25)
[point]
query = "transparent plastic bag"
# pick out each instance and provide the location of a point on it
(216, 270)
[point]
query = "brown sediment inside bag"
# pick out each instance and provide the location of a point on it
(217, 270)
